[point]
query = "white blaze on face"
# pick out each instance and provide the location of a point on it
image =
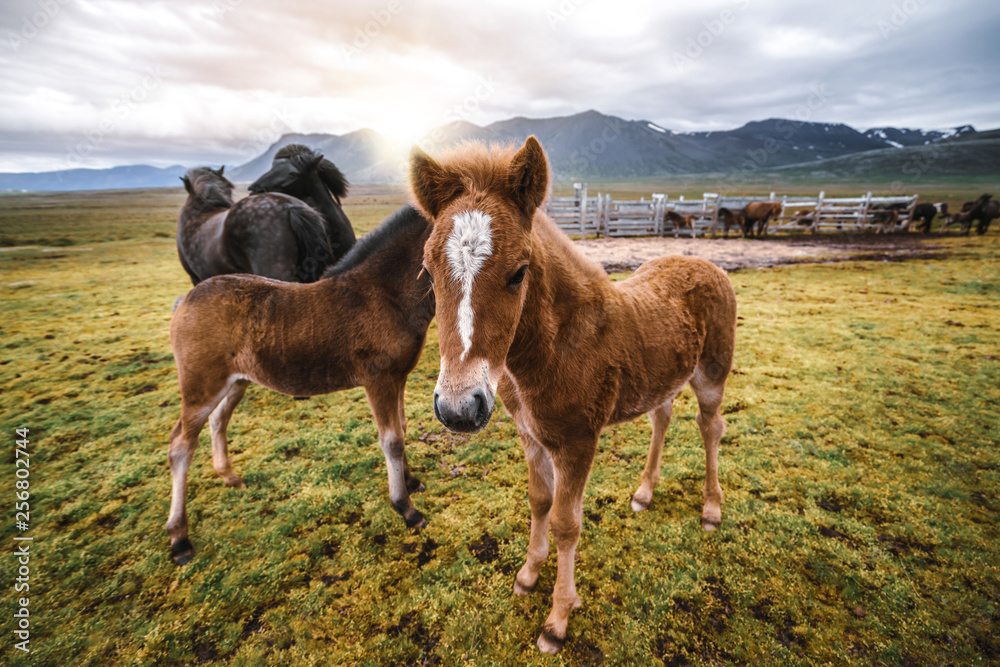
(468, 247)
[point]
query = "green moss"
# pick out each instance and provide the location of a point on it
(860, 467)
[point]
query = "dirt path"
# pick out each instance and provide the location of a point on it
(626, 254)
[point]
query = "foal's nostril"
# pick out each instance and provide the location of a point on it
(437, 410)
(481, 412)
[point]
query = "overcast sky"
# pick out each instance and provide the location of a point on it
(97, 83)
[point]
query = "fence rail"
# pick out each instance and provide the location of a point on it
(583, 214)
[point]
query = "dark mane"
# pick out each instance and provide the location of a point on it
(293, 150)
(217, 194)
(377, 239)
(328, 172)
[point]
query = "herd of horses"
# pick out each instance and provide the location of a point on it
(753, 218)
(285, 297)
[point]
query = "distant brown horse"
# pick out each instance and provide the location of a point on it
(362, 324)
(731, 218)
(270, 235)
(680, 221)
(759, 213)
(522, 312)
(886, 219)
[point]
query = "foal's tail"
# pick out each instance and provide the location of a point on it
(311, 241)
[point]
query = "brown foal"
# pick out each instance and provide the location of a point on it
(522, 312)
(362, 324)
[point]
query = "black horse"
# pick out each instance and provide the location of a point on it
(301, 172)
(926, 213)
(271, 235)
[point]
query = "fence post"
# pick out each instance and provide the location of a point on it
(819, 212)
(909, 214)
(583, 210)
(716, 197)
(658, 212)
(606, 219)
(865, 208)
(599, 203)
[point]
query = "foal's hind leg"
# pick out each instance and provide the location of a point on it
(710, 394)
(660, 417)
(384, 397)
(413, 485)
(183, 442)
(219, 422)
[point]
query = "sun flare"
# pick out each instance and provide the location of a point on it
(407, 128)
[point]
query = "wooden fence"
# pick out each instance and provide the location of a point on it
(583, 214)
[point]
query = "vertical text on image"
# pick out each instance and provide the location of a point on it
(22, 551)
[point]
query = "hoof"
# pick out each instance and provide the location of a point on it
(709, 526)
(182, 551)
(549, 643)
(520, 589)
(416, 521)
(638, 506)
(235, 482)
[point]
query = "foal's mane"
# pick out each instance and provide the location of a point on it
(327, 171)
(483, 167)
(381, 237)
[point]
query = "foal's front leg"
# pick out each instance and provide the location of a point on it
(541, 482)
(385, 397)
(572, 467)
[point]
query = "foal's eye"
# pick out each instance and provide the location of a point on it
(518, 277)
(428, 273)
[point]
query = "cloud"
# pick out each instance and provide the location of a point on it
(103, 82)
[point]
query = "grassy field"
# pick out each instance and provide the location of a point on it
(861, 471)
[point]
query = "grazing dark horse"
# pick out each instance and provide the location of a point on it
(926, 213)
(680, 221)
(362, 324)
(759, 213)
(989, 212)
(982, 210)
(270, 235)
(731, 218)
(301, 172)
(522, 312)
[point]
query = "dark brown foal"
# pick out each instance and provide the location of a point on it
(362, 324)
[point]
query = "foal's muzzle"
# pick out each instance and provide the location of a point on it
(469, 413)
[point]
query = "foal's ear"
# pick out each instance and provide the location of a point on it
(529, 177)
(187, 184)
(433, 186)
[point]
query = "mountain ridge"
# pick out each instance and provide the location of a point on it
(588, 144)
